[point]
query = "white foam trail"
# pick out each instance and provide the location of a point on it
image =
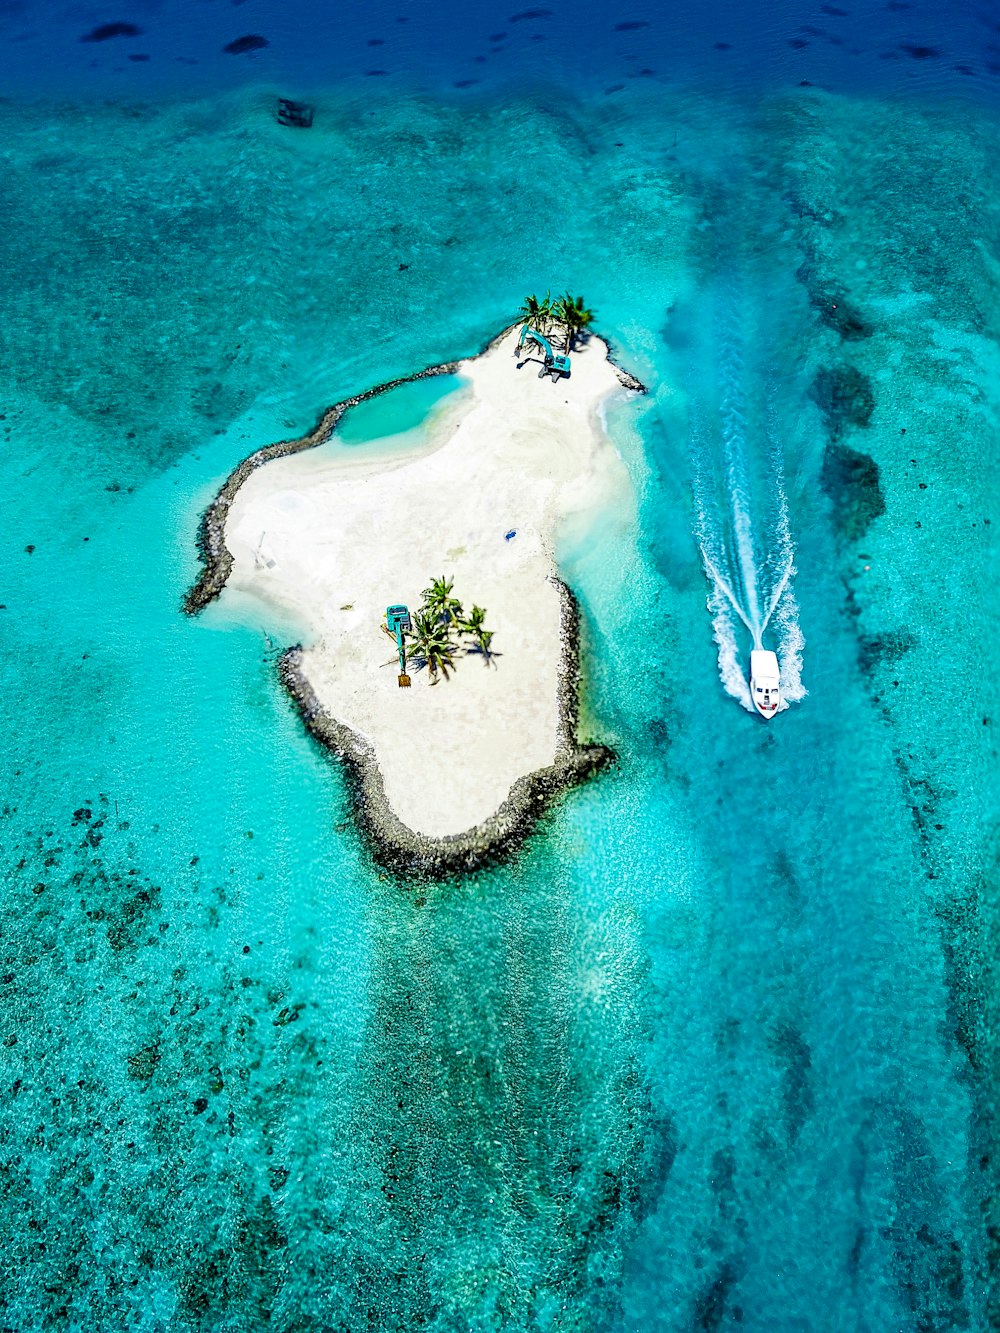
(726, 590)
(748, 554)
(791, 642)
(723, 601)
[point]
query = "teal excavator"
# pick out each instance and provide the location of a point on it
(554, 364)
(397, 622)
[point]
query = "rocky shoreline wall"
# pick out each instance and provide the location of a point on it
(414, 855)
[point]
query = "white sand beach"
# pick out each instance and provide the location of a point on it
(332, 541)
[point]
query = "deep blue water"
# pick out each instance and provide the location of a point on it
(886, 46)
(718, 1049)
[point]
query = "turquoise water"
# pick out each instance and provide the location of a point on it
(404, 411)
(718, 1048)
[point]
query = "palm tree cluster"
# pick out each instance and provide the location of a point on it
(566, 310)
(441, 625)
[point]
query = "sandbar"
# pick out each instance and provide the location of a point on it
(447, 775)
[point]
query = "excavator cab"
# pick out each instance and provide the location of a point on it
(397, 622)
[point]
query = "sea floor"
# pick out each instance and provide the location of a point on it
(718, 1048)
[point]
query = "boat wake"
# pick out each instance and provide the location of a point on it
(743, 531)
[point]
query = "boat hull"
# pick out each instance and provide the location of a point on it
(765, 682)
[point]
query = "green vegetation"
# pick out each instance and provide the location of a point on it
(439, 603)
(441, 630)
(574, 316)
(431, 642)
(566, 310)
(537, 313)
(473, 625)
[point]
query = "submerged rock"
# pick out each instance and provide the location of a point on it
(241, 45)
(874, 649)
(106, 31)
(835, 310)
(142, 1064)
(845, 397)
(851, 480)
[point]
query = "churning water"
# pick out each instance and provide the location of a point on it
(741, 514)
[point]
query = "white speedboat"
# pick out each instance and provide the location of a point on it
(765, 682)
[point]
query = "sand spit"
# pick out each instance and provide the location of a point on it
(447, 776)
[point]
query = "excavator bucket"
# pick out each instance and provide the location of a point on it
(404, 681)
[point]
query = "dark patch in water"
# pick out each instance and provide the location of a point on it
(920, 52)
(928, 1258)
(658, 733)
(631, 25)
(106, 31)
(851, 480)
(787, 881)
(528, 14)
(838, 313)
(132, 924)
(797, 1093)
(710, 1305)
(142, 1065)
(802, 208)
(835, 310)
(876, 649)
(797, 43)
(854, 1255)
(465, 83)
(241, 45)
(139, 58)
(844, 396)
(724, 1170)
(834, 11)
(723, 46)
(963, 969)
(661, 1150)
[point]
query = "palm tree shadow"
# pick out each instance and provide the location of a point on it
(488, 657)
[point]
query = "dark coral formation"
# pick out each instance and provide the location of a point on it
(829, 300)
(845, 397)
(252, 42)
(106, 31)
(851, 480)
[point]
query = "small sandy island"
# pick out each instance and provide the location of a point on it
(448, 774)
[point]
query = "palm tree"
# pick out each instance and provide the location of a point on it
(537, 313)
(473, 625)
(439, 603)
(433, 644)
(574, 315)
